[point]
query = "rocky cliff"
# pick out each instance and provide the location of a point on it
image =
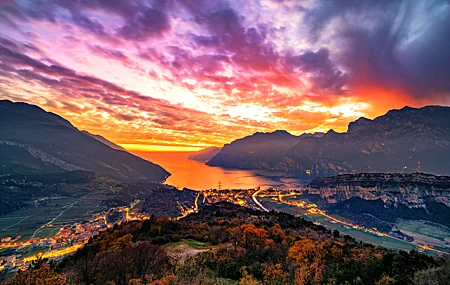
(411, 190)
(405, 140)
(379, 199)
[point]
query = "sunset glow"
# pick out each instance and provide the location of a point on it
(180, 75)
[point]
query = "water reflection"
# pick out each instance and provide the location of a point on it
(198, 176)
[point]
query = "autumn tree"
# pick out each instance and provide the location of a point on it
(312, 259)
(277, 234)
(38, 276)
(274, 275)
(247, 279)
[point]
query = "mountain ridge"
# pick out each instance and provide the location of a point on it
(34, 140)
(403, 139)
(205, 154)
(257, 151)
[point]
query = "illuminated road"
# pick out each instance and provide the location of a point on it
(317, 211)
(54, 253)
(196, 202)
(257, 202)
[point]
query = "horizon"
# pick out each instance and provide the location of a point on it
(190, 149)
(145, 148)
(176, 76)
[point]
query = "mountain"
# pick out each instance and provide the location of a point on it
(258, 151)
(405, 140)
(35, 141)
(380, 199)
(104, 140)
(204, 154)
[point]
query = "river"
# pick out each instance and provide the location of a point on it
(199, 176)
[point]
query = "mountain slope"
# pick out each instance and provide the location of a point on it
(205, 154)
(104, 140)
(35, 141)
(258, 151)
(379, 199)
(405, 140)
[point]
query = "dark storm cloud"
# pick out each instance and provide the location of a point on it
(325, 76)
(382, 49)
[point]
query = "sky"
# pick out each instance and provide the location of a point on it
(187, 74)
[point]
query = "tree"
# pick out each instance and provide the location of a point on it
(274, 275)
(38, 276)
(277, 234)
(247, 279)
(312, 259)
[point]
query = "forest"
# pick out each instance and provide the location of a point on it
(233, 245)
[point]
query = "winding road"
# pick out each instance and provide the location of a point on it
(257, 202)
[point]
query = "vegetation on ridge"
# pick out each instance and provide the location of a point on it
(237, 246)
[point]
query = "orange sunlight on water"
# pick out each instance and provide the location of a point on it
(199, 176)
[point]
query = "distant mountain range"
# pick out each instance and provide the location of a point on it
(258, 151)
(204, 154)
(405, 140)
(35, 141)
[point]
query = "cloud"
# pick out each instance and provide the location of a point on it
(402, 45)
(207, 72)
(150, 22)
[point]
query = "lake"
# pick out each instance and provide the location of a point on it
(199, 176)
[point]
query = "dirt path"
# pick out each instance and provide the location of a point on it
(59, 215)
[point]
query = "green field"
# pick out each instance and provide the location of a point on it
(26, 221)
(191, 243)
(272, 205)
(424, 228)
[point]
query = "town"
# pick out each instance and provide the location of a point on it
(72, 237)
(68, 240)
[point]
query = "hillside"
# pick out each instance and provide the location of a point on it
(35, 141)
(204, 154)
(258, 151)
(104, 140)
(227, 244)
(380, 199)
(405, 140)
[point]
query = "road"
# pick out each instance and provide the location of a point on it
(196, 202)
(4, 229)
(59, 215)
(254, 195)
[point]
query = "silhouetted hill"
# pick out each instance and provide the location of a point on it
(258, 151)
(104, 140)
(401, 140)
(204, 154)
(35, 141)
